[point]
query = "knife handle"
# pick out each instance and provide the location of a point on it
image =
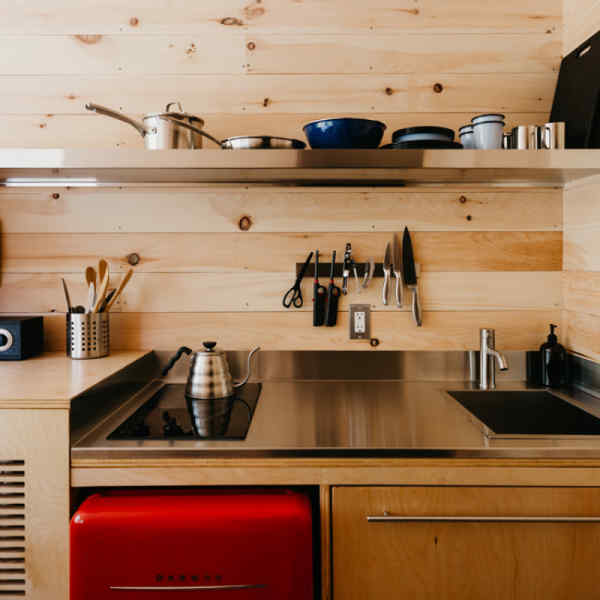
(399, 294)
(319, 304)
(386, 281)
(416, 307)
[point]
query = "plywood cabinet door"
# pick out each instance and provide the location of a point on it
(467, 543)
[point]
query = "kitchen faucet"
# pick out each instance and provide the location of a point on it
(487, 354)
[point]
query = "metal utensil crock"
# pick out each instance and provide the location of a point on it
(88, 335)
(165, 130)
(209, 376)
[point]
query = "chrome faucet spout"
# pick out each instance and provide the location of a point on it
(487, 357)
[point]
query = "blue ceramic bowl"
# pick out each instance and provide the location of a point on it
(344, 133)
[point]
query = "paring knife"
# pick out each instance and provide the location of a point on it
(409, 275)
(397, 268)
(387, 269)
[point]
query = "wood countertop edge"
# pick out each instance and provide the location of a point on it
(60, 398)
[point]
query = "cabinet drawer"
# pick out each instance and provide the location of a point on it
(465, 542)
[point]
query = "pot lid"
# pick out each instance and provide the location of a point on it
(175, 114)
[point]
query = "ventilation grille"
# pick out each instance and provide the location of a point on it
(12, 529)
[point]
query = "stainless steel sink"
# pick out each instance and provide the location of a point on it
(527, 413)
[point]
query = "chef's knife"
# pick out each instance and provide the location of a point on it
(397, 267)
(387, 269)
(409, 275)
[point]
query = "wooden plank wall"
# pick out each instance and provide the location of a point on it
(490, 256)
(581, 278)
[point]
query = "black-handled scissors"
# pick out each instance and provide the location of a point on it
(294, 294)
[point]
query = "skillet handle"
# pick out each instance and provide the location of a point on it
(108, 112)
(192, 128)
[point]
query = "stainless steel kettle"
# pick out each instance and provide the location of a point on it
(209, 377)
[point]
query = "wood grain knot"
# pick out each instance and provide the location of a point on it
(254, 11)
(134, 21)
(462, 199)
(191, 49)
(438, 88)
(374, 342)
(55, 196)
(232, 21)
(245, 223)
(89, 39)
(71, 97)
(133, 259)
(389, 91)
(266, 102)
(469, 218)
(251, 45)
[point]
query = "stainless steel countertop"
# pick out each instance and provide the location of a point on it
(353, 419)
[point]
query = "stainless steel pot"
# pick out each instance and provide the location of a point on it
(261, 142)
(166, 130)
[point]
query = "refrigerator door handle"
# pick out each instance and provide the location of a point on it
(186, 588)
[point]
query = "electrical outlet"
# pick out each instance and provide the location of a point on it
(360, 322)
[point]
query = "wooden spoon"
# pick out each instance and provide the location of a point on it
(90, 279)
(121, 287)
(102, 268)
(101, 293)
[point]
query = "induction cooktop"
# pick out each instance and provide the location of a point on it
(170, 414)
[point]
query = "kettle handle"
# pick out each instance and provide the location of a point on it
(175, 358)
(245, 380)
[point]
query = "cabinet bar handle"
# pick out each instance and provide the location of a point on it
(473, 519)
(185, 588)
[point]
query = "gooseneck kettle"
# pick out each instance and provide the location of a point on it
(209, 377)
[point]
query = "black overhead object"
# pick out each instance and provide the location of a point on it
(338, 270)
(319, 297)
(576, 99)
(333, 297)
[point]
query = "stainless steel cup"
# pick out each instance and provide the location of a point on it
(534, 137)
(553, 136)
(520, 137)
(87, 335)
(507, 141)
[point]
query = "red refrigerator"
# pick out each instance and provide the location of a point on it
(163, 544)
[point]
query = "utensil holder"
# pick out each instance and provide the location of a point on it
(88, 335)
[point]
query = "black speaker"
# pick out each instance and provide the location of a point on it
(21, 337)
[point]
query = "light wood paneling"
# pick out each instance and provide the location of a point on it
(410, 53)
(231, 94)
(581, 20)
(232, 51)
(262, 292)
(581, 279)
(219, 209)
(515, 330)
(178, 16)
(263, 252)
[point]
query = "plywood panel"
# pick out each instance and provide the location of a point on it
(280, 93)
(251, 292)
(48, 130)
(582, 333)
(112, 16)
(211, 52)
(581, 21)
(582, 248)
(410, 53)
(581, 291)
(231, 51)
(219, 253)
(219, 209)
(515, 330)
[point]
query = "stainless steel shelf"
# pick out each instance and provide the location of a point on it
(89, 167)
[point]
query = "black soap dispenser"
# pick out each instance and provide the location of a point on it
(554, 361)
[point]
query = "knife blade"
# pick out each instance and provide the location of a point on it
(409, 274)
(387, 269)
(397, 268)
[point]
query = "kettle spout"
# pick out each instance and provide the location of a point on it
(244, 381)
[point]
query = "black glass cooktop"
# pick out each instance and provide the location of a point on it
(170, 414)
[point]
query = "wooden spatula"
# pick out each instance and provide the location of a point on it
(121, 287)
(101, 292)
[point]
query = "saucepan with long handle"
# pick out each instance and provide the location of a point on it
(165, 130)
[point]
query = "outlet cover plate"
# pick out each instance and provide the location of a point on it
(360, 321)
